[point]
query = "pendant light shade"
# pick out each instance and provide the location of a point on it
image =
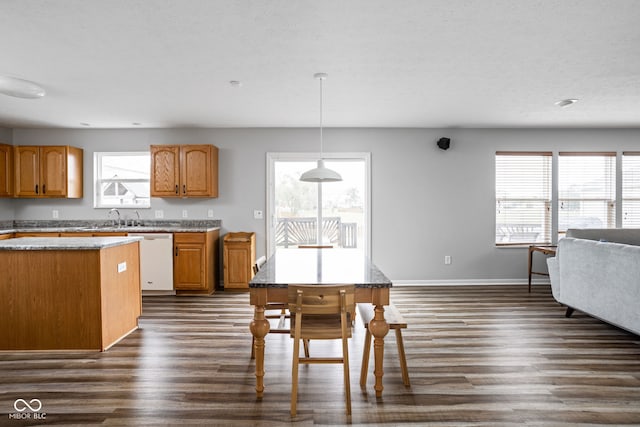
(20, 88)
(320, 173)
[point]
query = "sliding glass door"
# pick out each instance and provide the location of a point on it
(333, 214)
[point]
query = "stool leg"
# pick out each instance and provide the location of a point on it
(365, 359)
(403, 359)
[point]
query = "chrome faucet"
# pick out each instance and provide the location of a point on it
(138, 221)
(118, 213)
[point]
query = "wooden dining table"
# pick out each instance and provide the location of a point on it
(319, 267)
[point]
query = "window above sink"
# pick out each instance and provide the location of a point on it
(121, 180)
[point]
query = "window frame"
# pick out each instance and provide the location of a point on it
(611, 203)
(546, 200)
(626, 200)
(98, 180)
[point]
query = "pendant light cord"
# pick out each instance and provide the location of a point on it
(321, 118)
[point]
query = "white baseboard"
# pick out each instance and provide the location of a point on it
(468, 282)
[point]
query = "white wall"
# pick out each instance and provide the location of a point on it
(427, 203)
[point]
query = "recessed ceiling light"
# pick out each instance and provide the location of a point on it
(85, 124)
(566, 102)
(235, 83)
(136, 124)
(20, 88)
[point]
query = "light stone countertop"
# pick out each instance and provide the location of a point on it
(64, 243)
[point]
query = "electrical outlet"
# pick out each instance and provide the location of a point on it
(55, 214)
(159, 213)
(210, 213)
(257, 214)
(185, 213)
(447, 259)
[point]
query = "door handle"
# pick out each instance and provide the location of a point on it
(184, 189)
(44, 189)
(177, 191)
(36, 188)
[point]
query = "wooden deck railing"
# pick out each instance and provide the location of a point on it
(303, 231)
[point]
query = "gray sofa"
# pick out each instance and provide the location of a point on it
(597, 271)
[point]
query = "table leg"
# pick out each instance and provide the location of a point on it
(259, 328)
(378, 327)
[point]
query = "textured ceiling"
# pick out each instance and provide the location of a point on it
(411, 63)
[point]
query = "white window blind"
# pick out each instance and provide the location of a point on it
(523, 198)
(631, 190)
(586, 190)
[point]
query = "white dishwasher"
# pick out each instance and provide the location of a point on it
(156, 262)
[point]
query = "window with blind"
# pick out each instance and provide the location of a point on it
(586, 190)
(631, 190)
(523, 198)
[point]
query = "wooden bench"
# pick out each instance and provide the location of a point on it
(397, 323)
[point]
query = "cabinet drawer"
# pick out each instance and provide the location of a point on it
(189, 237)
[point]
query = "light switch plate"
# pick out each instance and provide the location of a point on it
(210, 213)
(159, 213)
(257, 214)
(55, 214)
(185, 213)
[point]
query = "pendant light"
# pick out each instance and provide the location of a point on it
(320, 173)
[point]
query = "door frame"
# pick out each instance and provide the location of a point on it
(272, 157)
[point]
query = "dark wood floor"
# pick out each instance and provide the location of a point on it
(477, 355)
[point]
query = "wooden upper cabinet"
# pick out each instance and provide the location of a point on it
(6, 170)
(48, 171)
(27, 171)
(165, 170)
(184, 171)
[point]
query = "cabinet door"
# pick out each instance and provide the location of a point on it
(6, 170)
(27, 171)
(53, 171)
(195, 171)
(237, 266)
(189, 259)
(165, 170)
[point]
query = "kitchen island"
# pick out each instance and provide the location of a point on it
(68, 293)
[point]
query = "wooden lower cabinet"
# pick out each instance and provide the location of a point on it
(194, 262)
(239, 257)
(68, 299)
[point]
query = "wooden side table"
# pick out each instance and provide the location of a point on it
(549, 250)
